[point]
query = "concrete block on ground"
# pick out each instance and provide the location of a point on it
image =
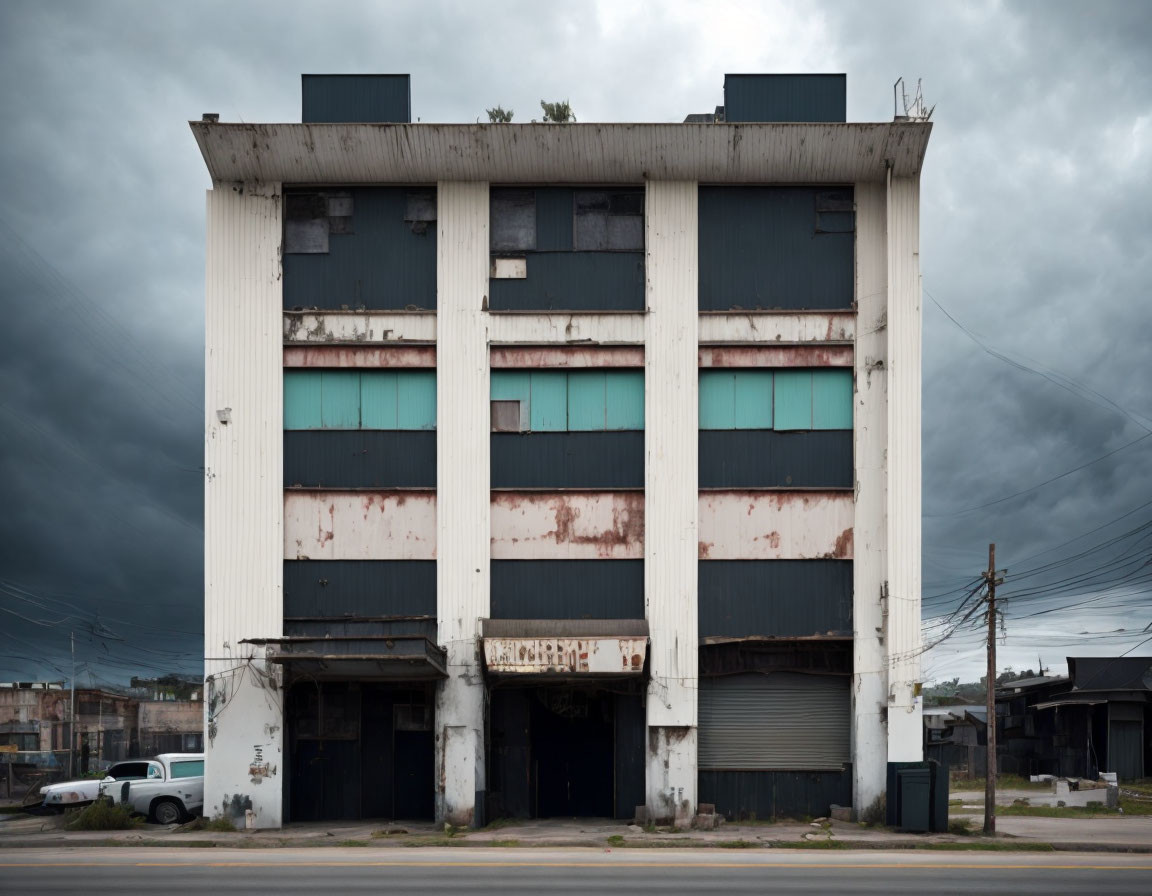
(641, 817)
(705, 821)
(841, 813)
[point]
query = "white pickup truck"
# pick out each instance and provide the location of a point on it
(170, 789)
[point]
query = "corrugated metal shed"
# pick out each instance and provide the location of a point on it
(360, 98)
(785, 97)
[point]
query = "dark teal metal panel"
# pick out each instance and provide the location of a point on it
(567, 589)
(761, 248)
(568, 460)
(572, 281)
(785, 98)
(554, 213)
(768, 459)
(356, 98)
(792, 395)
(574, 400)
(360, 459)
(341, 589)
(831, 398)
(768, 795)
(774, 598)
(384, 263)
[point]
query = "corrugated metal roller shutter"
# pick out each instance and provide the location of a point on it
(779, 721)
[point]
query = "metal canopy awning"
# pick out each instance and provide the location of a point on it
(1071, 700)
(379, 658)
(565, 649)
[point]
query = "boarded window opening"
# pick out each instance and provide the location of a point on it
(506, 416)
(513, 220)
(310, 218)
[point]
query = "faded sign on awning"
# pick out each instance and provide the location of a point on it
(565, 648)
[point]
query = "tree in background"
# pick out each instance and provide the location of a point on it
(559, 112)
(499, 115)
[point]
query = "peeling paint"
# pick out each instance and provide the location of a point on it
(407, 356)
(538, 357)
(821, 355)
(776, 525)
(572, 526)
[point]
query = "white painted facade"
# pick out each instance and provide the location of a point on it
(243, 504)
(252, 525)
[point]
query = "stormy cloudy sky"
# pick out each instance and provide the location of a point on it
(1036, 238)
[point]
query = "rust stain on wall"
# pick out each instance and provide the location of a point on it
(566, 356)
(360, 356)
(776, 356)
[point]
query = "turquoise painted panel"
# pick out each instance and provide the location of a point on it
(753, 399)
(624, 399)
(793, 392)
(832, 399)
(586, 392)
(510, 385)
(340, 399)
(378, 399)
(302, 399)
(549, 401)
(416, 399)
(717, 399)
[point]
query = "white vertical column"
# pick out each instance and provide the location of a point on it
(870, 564)
(671, 504)
(905, 729)
(462, 492)
(243, 504)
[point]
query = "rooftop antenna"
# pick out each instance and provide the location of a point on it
(914, 109)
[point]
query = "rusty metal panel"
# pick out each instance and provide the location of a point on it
(537, 356)
(356, 356)
(561, 153)
(387, 263)
(360, 525)
(775, 598)
(769, 459)
(776, 525)
(565, 656)
(775, 356)
(567, 589)
(552, 460)
(567, 526)
(359, 459)
(760, 249)
(359, 327)
(732, 327)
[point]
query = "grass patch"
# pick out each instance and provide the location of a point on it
(353, 843)
(737, 844)
(220, 825)
(103, 816)
(810, 844)
(961, 827)
(616, 840)
(1005, 782)
(981, 845)
(497, 823)
(504, 843)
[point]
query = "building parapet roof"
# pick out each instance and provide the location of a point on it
(777, 153)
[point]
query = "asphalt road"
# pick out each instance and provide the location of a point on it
(333, 870)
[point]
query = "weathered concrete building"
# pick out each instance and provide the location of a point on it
(560, 469)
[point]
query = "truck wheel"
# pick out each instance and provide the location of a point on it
(167, 812)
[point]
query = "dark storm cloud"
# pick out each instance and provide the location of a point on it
(1035, 227)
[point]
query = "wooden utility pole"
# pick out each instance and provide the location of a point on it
(990, 727)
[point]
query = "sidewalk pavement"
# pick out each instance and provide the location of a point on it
(1112, 834)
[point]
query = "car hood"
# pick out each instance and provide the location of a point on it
(89, 786)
